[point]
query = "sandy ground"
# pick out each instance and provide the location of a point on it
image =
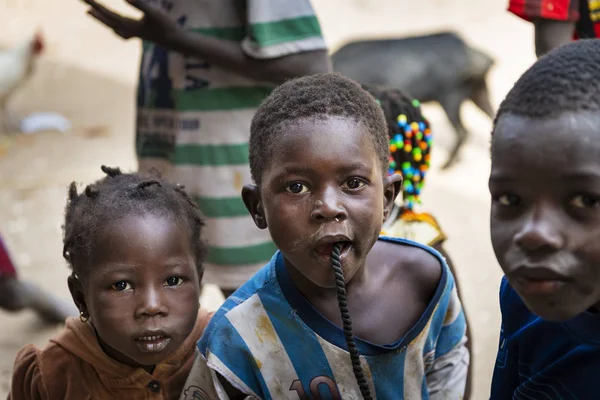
(88, 75)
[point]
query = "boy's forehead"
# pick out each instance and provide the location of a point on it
(322, 133)
(562, 134)
(322, 143)
(567, 141)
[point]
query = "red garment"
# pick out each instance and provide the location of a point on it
(7, 268)
(560, 10)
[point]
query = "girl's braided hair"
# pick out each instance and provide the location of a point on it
(119, 195)
(410, 140)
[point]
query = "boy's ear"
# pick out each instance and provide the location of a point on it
(77, 294)
(392, 186)
(252, 200)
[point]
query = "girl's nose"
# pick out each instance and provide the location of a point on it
(152, 303)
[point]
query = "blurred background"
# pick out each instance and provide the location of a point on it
(88, 75)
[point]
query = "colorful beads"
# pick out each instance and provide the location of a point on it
(415, 141)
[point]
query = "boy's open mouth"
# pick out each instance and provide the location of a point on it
(325, 248)
(152, 342)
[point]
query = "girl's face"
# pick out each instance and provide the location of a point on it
(141, 290)
(545, 216)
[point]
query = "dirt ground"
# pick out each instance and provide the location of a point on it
(89, 76)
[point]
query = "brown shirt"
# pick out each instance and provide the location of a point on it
(74, 367)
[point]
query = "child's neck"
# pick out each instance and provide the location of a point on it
(324, 299)
(315, 293)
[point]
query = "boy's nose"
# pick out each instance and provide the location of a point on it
(329, 207)
(151, 303)
(540, 232)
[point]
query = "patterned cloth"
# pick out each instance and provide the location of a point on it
(193, 121)
(586, 13)
(418, 227)
(539, 359)
(270, 342)
(7, 268)
(561, 10)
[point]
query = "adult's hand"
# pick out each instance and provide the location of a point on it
(154, 26)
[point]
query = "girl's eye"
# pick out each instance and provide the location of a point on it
(508, 199)
(296, 188)
(585, 201)
(173, 281)
(121, 286)
(354, 183)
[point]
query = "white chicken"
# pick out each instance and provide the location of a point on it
(16, 66)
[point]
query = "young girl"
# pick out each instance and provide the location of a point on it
(17, 294)
(545, 228)
(411, 142)
(319, 155)
(134, 245)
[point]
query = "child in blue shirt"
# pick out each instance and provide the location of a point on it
(545, 228)
(389, 323)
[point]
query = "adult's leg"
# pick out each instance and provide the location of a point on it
(17, 295)
(550, 34)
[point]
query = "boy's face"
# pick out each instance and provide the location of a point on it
(325, 185)
(142, 290)
(545, 215)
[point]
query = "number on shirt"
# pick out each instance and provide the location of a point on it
(314, 388)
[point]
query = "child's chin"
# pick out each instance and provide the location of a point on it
(554, 312)
(150, 360)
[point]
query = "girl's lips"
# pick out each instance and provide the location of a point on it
(152, 344)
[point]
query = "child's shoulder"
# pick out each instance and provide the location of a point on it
(36, 371)
(411, 261)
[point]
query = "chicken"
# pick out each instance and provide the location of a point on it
(16, 66)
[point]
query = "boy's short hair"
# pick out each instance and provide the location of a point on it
(566, 79)
(316, 96)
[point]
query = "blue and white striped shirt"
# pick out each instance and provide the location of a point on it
(270, 342)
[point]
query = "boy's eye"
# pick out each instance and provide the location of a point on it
(296, 188)
(508, 199)
(585, 201)
(173, 281)
(354, 183)
(121, 286)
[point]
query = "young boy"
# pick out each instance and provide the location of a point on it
(206, 66)
(557, 22)
(319, 155)
(545, 228)
(17, 295)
